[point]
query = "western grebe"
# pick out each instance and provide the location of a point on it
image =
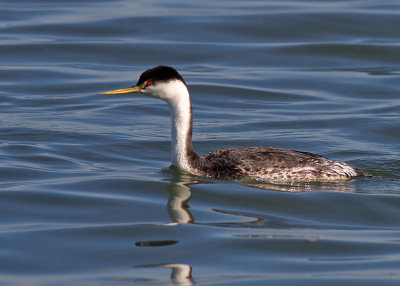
(261, 163)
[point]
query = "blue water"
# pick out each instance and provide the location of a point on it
(86, 193)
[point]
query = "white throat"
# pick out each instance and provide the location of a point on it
(176, 94)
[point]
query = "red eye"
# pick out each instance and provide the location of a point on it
(149, 82)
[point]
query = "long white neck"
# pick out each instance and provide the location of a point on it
(180, 133)
(176, 94)
(181, 129)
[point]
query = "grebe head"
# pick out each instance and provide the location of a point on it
(160, 82)
(167, 84)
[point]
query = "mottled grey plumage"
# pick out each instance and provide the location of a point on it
(271, 164)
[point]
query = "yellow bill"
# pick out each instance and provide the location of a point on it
(136, 89)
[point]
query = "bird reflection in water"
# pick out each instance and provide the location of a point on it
(181, 274)
(179, 213)
(179, 196)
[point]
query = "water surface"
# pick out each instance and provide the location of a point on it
(87, 196)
